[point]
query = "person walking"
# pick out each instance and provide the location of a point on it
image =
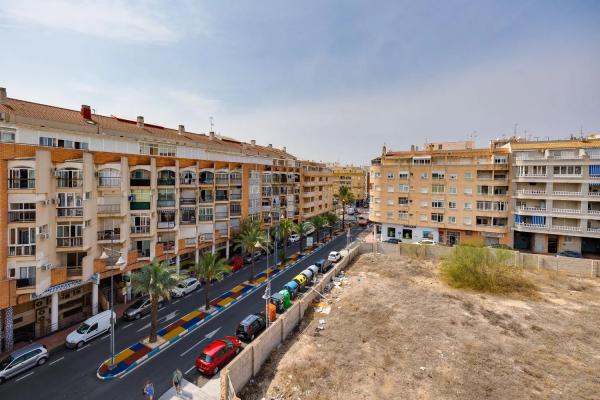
(177, 377)
(149, 390)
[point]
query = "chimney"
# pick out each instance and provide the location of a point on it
(2, 95)
(412, 147)
(212, 135)
(253, 142)
(140, 121)
(270, 146)
(284, 149)
(86, 111)
(181, 130)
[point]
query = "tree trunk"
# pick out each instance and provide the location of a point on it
(284, 251)
(252, 270)
(301, 237)
(207, 296)
(153, 319)
(343, 216)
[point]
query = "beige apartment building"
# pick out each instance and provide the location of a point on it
(352, 177)
(448, 192)
(76, 184)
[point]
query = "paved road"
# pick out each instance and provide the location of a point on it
(71, 374)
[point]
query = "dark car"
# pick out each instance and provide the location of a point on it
(140, 308)
(392, 240)
(324, 265)
(251, 326)
(570, 253)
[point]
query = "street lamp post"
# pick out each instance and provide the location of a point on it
(267, 295)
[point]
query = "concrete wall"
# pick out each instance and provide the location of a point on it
(248, 363)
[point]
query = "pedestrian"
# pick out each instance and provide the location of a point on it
(177, 377)
(149, 390)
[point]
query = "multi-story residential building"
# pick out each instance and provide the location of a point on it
(448, 192)
(556, 190)
(317, 192)
(353, 177)
(76, 184)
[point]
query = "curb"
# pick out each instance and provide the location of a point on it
(206, 317)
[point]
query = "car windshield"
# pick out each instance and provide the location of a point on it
(4, 363)
(137, 304)
(83, 328)
(205, 357)
(181, 285)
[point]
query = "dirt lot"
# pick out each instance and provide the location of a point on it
(396, 332)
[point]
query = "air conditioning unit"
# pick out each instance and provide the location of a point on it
(44, 235)
(47, 266)
(39, 303)
(55, 172)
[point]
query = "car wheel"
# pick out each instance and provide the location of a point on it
(42, 361)
(138, 316)
(2, 381)
(216, 371)
(80, 344)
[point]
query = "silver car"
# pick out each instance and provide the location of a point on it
(22, 360)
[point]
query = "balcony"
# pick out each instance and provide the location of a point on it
(166, 182)
(165, 224)
(139, 182)
(566, 228)
(531, 226)
(207, 199)
(143, 253)
(205, 218)
(222, 181)
(221, 215)
(566, 193)
(566, 210)
(531, 192)
(206, 237)
(206, 181)
(235, 196)
(531, 209)
(21, 216)
(110, 234)
(69, 182)
(190, 242)
(109, 209)
(21, 183)
(69, 212)
(524, 176)
(76, 241)
(559, 176)
(235, 182)
(168, 245)
(593, 230)
(74, 271)
(188, 221)
(140, 230)
(139, 205)
(222, 197)
(187, 200)
(109, 182)
(235, 212)
(25, 283)
(21, 250)
(165, 203)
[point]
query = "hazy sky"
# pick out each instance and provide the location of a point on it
(331, 80)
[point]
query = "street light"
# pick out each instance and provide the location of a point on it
(267, 295)
(120, 262)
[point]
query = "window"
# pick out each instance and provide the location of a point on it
(403, 175)
(451, 220)
(390, 175)
(437, 188)
(421, 161)
(439, 175)
(21, 242)
(500, 160)
(437, 204)
(46, 141)
(69, 234)
(424, 190)
(452, 205)
(403, 201)
(69, 205)
(468, 191)
(483, 190)
(69, 178)
(451, 190)
(403, 215)
(166, 198)
(453, 177)
(378, 188)
(484, 205)
(482, 221)
(436, 217)
(390, 189)
(468, 175)
(403, 188)
(7, 135)
(21, 212)
(468, 206)
(568, 239)
(21, 178)
(205, 214)
(377, 175)
(424, 203)
(140, 223)
(109, 177)
(158, 149)
(142, 247)
(467, 220)
(390, 202)
(390, 215)
(422, 217)
(567, 170)
(423, 175)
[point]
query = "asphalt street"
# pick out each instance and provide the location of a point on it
(71, 374)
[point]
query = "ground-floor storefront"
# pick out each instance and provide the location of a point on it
(450, 237)
(551, 243)
(408, 233)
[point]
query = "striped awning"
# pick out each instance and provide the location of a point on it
(58, 288)
(594, 170)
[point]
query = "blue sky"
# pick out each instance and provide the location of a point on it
(331, 80)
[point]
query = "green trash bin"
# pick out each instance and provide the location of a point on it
(287, 302)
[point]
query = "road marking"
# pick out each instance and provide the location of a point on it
(170, 315)
(146, 316)
(128, 325)
(24, 376)
(57, 360)
(176, 301)
(105, 336)
(144, 327)
(191, 368)
(84, 347)
(207, 336)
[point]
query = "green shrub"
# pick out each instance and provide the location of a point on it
(480, 269)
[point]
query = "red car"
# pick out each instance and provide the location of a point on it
(236, 263)
(217, 354)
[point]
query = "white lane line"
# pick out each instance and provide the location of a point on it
(127, 326)
(144, 327)
(24, 376)
(105, 337)
(192, 348)
(145, 316)
(84, 347)
(176, 301)
(57, 360)
(189, 370)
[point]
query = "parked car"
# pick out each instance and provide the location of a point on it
(23, 359)
(140, 308)
(217, 354)
(393, 240)
(301, 281)
(334, 256)
(292, 287)
(251, 326)
(570, 253)
(236, 263)
(427, 242)
(90, 328)
(294, 238)
(248, 257)
(184, 287)
(324, 265)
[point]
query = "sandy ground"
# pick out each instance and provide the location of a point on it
(396, 332)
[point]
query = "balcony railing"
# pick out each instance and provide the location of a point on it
(532, 175)
(21, 216)
(235, 196)
(593, 230)
(235, 212)
(140, 229)
(139, 205)
(531, 226)
(187, 200)
(567, 175)
(205, 218)
(69, 182)
(168, 245)
(594, 194)
(190, 242)
(206, 181)
(593, 212)
(566, 210)
(25, 283)
(221, 215)
(110, 234)
(565, 193)
(187, 181)
(566, 228)
(144, 253)
(166, 182)
(69, 212)
(528, 208)
(206, 237)
(222, 197)
(21, 250)
(236, 182)
(109, 182)
(222, 181)
(21, 183)
(74, 271)
(165, 224)
(189, 221)
(69, 241)
(109, 208)
(531, 192)
(207, 199)
(139, 182)
(165, 203)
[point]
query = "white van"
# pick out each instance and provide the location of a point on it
(89, 329)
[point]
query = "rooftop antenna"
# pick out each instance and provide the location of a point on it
(581, 131)
(473, 135)
(211, 124)
(515, 129)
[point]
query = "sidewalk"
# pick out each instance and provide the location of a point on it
(193, 392)
(57, 339)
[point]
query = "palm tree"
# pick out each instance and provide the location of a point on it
(345, 196)
(331, 219)
(156, 281)
(302, 229)
(319, 223)
(210, 268)
(284, 229)
(246, 242)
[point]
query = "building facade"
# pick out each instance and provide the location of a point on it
(353, 177)
(447, 192)
(76, 184)
(317, 189)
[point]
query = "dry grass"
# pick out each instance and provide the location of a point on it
(397, 332)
